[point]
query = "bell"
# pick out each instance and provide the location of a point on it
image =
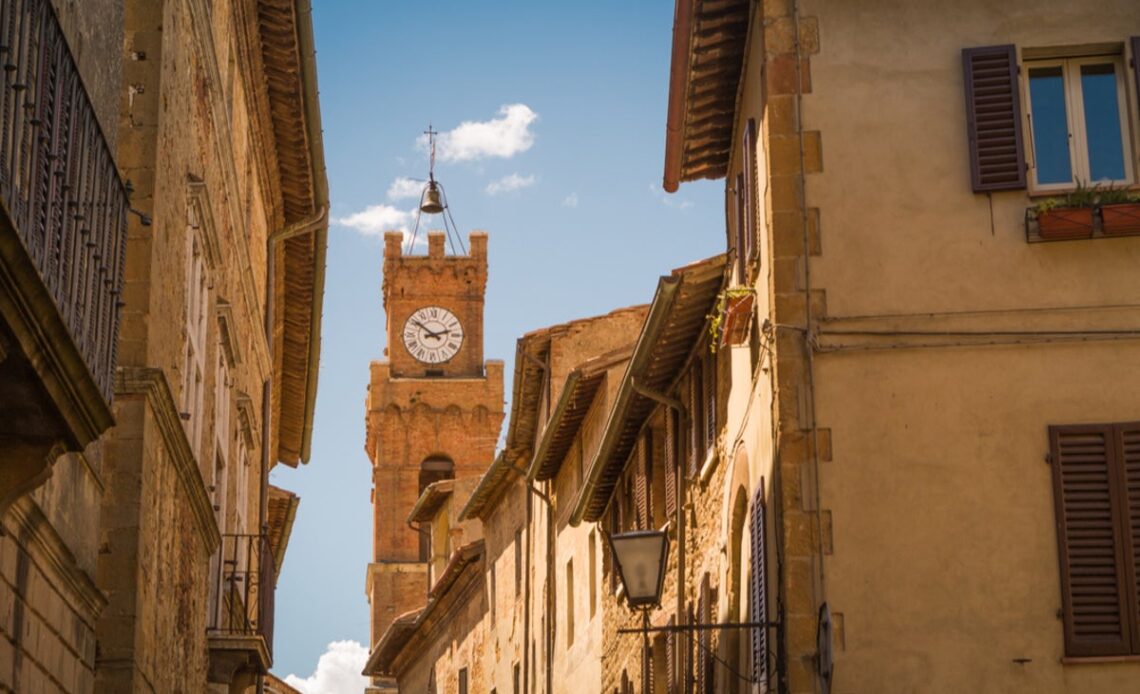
(431, 203)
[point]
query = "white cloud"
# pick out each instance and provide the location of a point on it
(669, 200)
(509, 184)
(404, 187)
(338, 671)
(374, 220)
(502, 137)
(570, 200)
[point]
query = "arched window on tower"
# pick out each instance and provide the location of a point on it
(433, 469)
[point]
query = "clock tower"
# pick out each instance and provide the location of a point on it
(434, 407)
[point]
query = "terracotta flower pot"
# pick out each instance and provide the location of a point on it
(1065, 223)
(1122, 219)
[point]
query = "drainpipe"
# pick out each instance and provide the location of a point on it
(526, 593)
(305, 226)
(551, 605)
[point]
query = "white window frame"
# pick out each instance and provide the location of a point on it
(194, 357)
(1075, 121)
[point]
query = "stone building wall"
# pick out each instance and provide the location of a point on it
(49, 541)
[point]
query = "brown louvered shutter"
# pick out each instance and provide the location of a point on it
(702, 637)
(696, 420)
(688, 672)
(709, 399)
(1090, 540)
(993, 118)
(1128, 443)
(670, 459)
(750, 186)
(1135, 41)
(739, 197)
(671, 659)
(641, 484)
(759, 588)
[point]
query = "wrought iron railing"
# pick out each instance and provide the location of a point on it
(244, 582)
(58, 181)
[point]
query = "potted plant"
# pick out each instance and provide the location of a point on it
(1068, 217)
(1119, 212)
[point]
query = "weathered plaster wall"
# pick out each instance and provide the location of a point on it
(939, 543)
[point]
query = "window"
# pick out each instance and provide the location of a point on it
(1062, 118)
(1078, 122)
(517, 679)
(570, 602)
(194, 354)
(219, 484)
(1096, 470)
(462, 680)
(518, 562)
(593, 573)
(433, 469)
(494, 597)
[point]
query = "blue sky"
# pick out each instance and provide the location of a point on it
(564, 172)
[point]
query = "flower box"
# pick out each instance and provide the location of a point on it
(1121, 219)
(1065, 223)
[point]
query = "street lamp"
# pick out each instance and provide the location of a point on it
(640, 557)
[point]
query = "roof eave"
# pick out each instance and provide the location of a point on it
(321, 194)
(678, 79)
(654, 322)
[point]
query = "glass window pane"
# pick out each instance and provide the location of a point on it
(1050, 126)
(1102, 122)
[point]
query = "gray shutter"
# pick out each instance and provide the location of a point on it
(993, 118)
(759, 587)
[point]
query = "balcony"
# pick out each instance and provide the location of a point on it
(240, 626)
(63, 224)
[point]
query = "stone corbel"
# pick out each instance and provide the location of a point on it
(26, 466)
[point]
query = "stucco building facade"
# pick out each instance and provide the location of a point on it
(145, 557)
(949, 394)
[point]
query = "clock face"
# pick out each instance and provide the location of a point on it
(433, 335)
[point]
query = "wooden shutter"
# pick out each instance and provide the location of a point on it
(1090, 540)
(702, 637)
(670, 459)
(641, 484)
(739, 201)
(1128, 443)
(759, 587)
(696, 420)
(993, 118)
(709, 399)
(671, 659)
(750, 186)
(1135, 41)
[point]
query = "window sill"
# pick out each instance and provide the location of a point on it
(1059, 192)
(1099, 660)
